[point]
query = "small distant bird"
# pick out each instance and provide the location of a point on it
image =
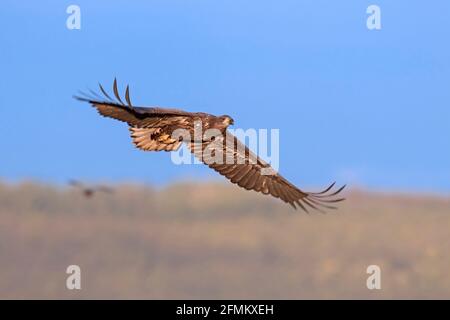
(88, 192)
(152, 129)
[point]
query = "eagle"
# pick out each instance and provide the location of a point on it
(89, 191)
(153, 129)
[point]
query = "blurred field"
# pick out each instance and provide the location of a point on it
(216, 241)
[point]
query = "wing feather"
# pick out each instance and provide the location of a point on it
(244, 183)
(153, 139)
(134, 116)
(241, 173)
(246, 172)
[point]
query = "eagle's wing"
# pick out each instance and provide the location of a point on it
(248, 171)
(154, 139)
(142, 117)
(148, 125)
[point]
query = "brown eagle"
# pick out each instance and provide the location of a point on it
(153, 128)
(89, 191)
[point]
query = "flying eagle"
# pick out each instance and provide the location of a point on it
(89, 191)
(153, 128)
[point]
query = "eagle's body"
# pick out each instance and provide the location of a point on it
(155, 129)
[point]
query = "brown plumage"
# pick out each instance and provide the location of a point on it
(152, 129)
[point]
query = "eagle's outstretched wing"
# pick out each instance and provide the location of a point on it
(142, 117)
(244, 168)
(149, 126)
(90, 190)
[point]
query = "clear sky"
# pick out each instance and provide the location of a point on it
(364, 107)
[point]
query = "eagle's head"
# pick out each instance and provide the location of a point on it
(227, 120)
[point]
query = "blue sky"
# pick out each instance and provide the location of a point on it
(368, 108)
